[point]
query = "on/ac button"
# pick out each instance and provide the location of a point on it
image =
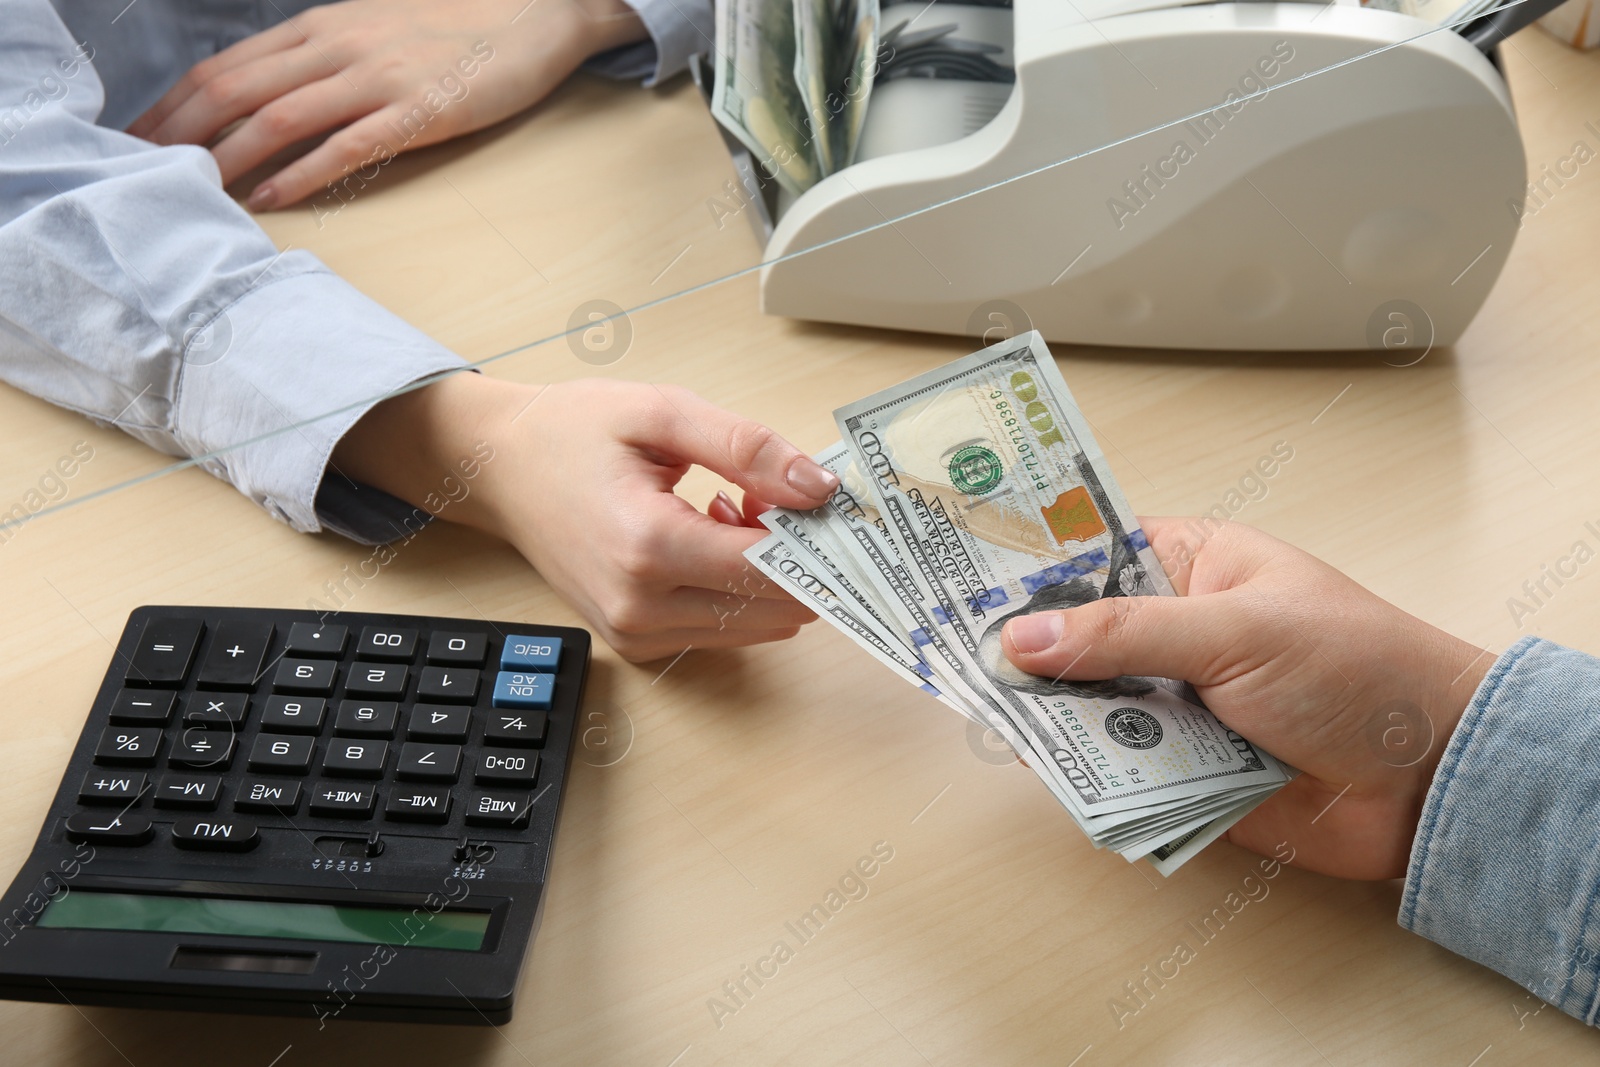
(514, 689)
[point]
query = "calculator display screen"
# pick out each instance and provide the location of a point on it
(418, 927)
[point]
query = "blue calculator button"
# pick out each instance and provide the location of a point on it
(523, 653)
(514, 689)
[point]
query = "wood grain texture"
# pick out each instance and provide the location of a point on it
(733, 791)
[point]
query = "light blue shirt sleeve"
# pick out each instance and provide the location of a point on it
(678, 29)
(135, 291)
(1505, 867)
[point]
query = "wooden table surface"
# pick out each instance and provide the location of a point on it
(732, 791)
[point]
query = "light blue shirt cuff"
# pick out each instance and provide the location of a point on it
(678, 29)
(1505, 867)
(287, 369)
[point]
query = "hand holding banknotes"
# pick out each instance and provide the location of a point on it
(581, 483)
(1298, 659)
(973, 494)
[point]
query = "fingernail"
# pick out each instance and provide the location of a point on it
(723, 509)
(807, 477)
(263, 199)
(1035, 633)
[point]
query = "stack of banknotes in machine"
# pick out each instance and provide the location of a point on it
(793, 77)
(975, 493)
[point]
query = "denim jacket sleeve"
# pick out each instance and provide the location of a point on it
(1505, 868)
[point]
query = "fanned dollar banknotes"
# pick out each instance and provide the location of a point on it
(974, 493)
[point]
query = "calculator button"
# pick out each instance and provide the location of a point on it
(130, 745)
(343, 800)
(523, 728)
(282, 753)
(523, 653)
(277, 798)
(518, 690)
(104, 828)
(238, 649)
(519, 768)
(304, 676)
(418, 804)
(100, 787)
(498, 809)
(202, 749)
(164, 652)
(376, 680)
(366, 718)
(438, 722)
(223, 835)
(223, 709)
(429, 762)
(314, 640)
(143, 706)
(453, 685)
(293, 715)
(356, 759)
(188, 791)
(462, 650)
(386, 642)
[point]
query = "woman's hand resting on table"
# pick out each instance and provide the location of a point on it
(1297, 658)
(395, 74)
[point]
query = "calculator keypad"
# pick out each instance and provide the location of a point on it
(388, 725)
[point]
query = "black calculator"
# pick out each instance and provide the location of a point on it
(279, 812)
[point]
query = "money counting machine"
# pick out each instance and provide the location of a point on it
(1260, 175)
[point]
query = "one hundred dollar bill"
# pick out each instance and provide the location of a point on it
(998, 501)
(797, 573)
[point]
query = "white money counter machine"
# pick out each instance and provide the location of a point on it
(1260, 175)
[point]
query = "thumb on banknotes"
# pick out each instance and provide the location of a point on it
(752, 456)
(1193, 638)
